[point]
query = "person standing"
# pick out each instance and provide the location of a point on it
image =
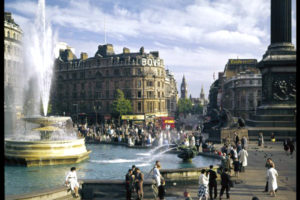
(129, 184)
(212, 183)
(268, 166)
(225, 183)
(272, 137)
(291, 146)
(156, 173)
(272, 180)
(243, 141)
(286, 146)
(139, 181)
(162, 190)
(197, 141)
(71, 180)
(243, 158)
(261, 140)
(203, 183)
(236, 138)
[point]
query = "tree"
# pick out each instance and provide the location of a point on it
(198, 109)
(120, 105)
(184, 106)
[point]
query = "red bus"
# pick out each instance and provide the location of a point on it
(164, 121)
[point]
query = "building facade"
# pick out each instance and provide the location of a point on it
(13, 61)
(86, 86)
(241, 88)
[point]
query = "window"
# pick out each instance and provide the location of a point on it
(139, 107)
(158, 94)
(139, 84)
(158, 84)
(139, 71)
(107, 93)
(159, 108)
(149, 83)
(116, 72)
(116, 84)
(107, 85)
(82, 86)
(139, 95)
(8, 34)
(107, 73)
(98, 85)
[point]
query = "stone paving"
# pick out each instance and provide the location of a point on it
(252, 182)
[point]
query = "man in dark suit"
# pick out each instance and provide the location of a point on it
(212, 184)
(225, 182)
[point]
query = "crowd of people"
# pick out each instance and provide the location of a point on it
(234, 160)
(138, 135)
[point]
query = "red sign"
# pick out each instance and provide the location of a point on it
(107, 117)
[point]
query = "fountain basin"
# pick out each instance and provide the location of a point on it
(46, 152)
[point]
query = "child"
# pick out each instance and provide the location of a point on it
(236, 165)
(161, 190)
(187, 195)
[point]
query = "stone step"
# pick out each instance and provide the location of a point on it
(255, 123)
(272, 117)
(273, 111)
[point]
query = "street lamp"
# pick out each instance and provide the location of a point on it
(76, 111)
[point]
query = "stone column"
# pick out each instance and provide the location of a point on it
(278, 66)
(281, 21)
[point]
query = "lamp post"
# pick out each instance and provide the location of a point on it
(76, 112)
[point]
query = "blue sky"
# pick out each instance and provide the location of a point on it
(194, 37)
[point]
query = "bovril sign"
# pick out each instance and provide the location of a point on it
(151, 62)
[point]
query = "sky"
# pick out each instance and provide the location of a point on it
(195, 38)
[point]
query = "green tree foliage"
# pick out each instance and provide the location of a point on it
(184, 106)
(197, 109)
(120, 105)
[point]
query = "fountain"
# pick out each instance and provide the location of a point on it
(46, 140)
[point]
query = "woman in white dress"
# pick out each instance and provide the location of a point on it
(203, 185)
(272, 179)
(71, 180)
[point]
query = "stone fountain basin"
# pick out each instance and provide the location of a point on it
(45, 152)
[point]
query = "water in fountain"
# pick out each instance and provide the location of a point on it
(39, 56)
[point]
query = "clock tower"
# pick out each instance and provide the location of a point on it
(183, 89)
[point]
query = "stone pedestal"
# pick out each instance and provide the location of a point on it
(278, 69)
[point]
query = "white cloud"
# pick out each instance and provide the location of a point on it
(193, 36)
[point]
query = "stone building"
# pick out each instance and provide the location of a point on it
(171, 93)
(86, 86)
(241, 89)
(183, 89)
(13, 61)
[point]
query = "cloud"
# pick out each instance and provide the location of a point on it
(193, 37)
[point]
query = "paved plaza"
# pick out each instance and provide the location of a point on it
(253, 181)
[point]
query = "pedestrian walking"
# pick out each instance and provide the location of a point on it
(203, 183)
(236, 138)
(272, 180)
(225, 183)
(212, 182)
(243, 158)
